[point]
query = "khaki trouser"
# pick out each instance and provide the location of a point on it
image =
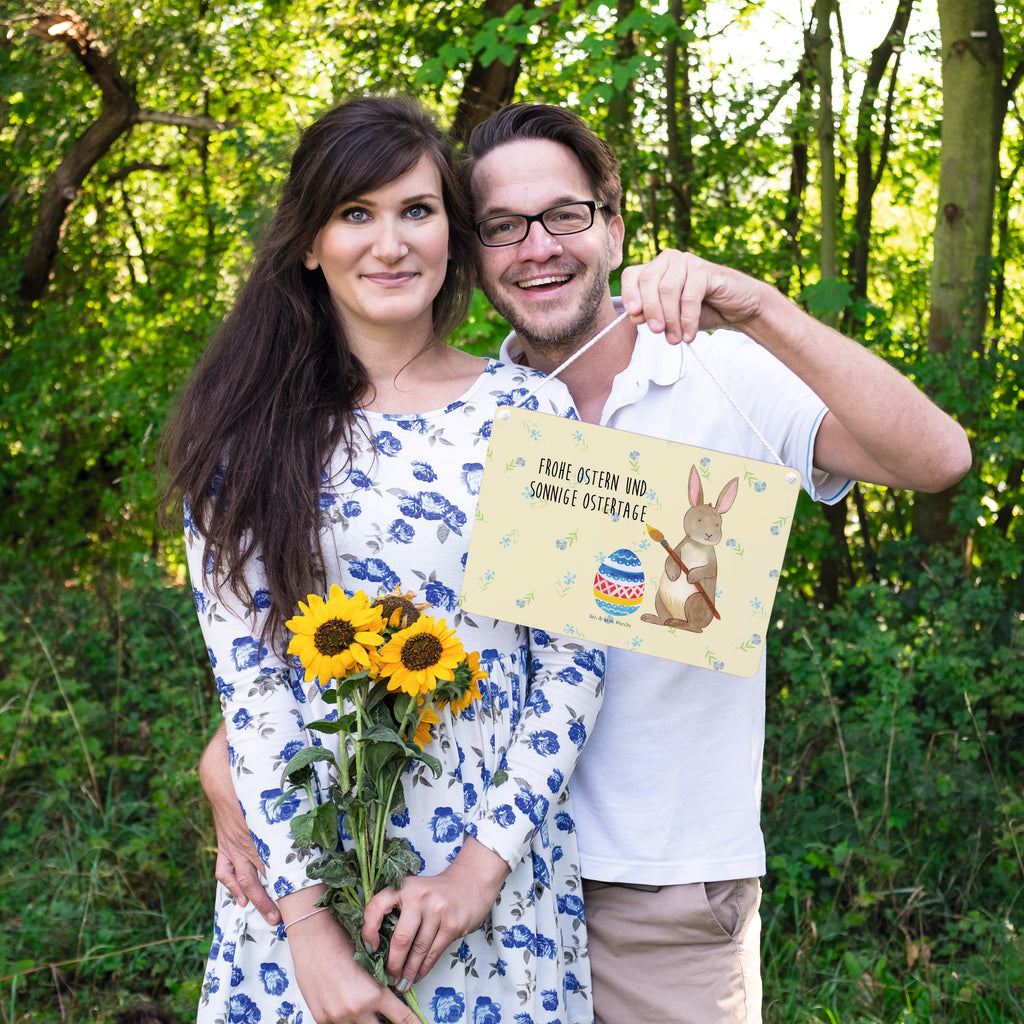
(675, 954)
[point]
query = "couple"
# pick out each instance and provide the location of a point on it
(666, 793)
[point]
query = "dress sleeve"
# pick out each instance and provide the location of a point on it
(263, 706)
(564, 695)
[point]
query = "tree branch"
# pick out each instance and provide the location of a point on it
(119, 112)
(206, 124)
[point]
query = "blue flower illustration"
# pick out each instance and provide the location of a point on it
(486, 1011)
(387, 444)
(414, 424)
(538, 701)
(374, 570)
(534, 806)
(424, 472)
(441, 596)
(242, 1010)
(472, 474)
(448, 1005)
(246, 652)
(590, 661)
(446, 825)
(273, 811)
(541, 874)
(571, 905)
(545, 742)
(518, 937)
(401, 531)
(274, 978)
(505, 816)
(578, 734)
(289, 750)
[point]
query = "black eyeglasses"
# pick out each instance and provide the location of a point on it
(564, 219)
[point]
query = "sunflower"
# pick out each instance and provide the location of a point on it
(472, 691)
(423, 734)
(332, 637)
(399, 609)
(417, 657)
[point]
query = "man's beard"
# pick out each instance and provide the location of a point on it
(569, 335)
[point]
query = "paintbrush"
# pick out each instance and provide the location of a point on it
(660, 538)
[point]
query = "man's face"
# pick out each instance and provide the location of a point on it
(552, 289)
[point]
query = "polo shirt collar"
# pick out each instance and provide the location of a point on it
(653, 360)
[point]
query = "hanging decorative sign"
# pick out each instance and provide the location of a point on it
(629, 541)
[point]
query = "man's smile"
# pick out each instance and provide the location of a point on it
(540, 282)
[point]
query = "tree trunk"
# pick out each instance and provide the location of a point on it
(487, 89)
(819, 55)
(679, 132)
(619, 130)
(117, 115)
(869, 170)
(973, 105)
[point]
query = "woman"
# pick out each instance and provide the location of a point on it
(329, 435)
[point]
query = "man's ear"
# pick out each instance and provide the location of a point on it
(616, 236)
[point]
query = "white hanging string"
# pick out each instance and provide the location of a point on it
(692, 351)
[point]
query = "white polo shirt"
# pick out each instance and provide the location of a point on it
(668, 789)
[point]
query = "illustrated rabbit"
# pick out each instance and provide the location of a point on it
(679, 603)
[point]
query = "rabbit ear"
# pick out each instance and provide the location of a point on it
(728, 495)
(696, 490)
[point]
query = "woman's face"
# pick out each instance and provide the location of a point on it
(385, 254)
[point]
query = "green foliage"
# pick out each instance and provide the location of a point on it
(107, 866)
(893, 802)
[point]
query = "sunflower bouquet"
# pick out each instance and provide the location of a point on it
(389, 669)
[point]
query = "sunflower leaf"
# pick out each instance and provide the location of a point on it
(381, 733)
(428, 759)
(329, 726)
(398, 861)
(325, 827)
(339, 870)
(302, 826)
(298, 770)
(381, 755)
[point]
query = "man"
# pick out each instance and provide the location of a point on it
(667, 792)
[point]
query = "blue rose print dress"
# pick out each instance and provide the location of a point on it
(402, 516)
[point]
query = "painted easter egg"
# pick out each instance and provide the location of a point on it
(619, 583)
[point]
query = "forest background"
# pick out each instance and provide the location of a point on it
(866, 158)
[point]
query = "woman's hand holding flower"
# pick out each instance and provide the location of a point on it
(435, 910)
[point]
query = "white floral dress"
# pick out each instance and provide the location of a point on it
(402, 516)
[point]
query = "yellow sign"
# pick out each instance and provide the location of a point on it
(629, 541)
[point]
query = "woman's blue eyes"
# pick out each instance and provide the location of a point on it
(357, 215)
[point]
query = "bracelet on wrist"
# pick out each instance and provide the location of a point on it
(305, 917)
